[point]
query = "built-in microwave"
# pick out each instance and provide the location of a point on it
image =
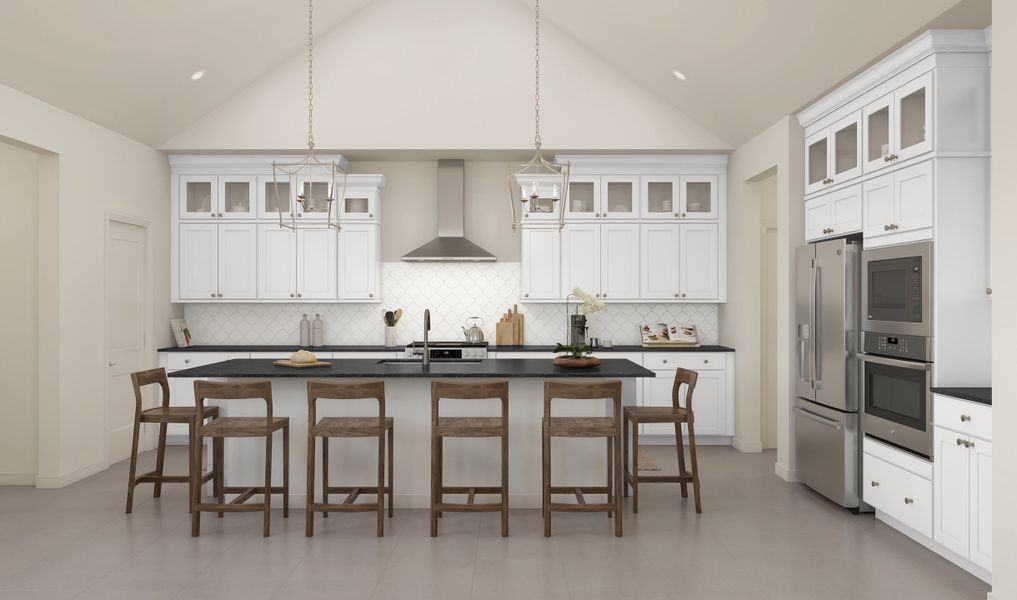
(897, 289)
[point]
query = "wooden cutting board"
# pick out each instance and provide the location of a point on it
(288, 363)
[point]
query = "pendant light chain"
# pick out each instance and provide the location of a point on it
(310, 74)
(536, 63)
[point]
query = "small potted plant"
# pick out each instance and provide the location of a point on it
(575, 356)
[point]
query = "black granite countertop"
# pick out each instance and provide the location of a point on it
(982, 395)
(352, 348)
(371, 368)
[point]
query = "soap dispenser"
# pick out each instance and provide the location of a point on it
(305, 332)
(317, 331)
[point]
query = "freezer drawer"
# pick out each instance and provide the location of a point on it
(826, 451)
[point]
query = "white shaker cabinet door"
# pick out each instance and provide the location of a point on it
(981, 504)
(913, 194)
(197, 261)
(951, 504)
(541, 264)
(699, 256)
(358, 262)
(277, 260)
(580, 258)
(619, 262)
(238, 259)
(877, 206)
(818, 218)
(708, 403)
(846, 210)
(316, 264)
(658, 261)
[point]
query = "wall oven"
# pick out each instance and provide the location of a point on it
(897, 289)
(896, 389)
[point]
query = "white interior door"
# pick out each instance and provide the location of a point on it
(126, 302)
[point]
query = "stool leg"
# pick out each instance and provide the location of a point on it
(441, 473)
(196, 491)
(324, 474)
(617, 490)
(695, 466)
(193, 478)
(381, 481)
(680, 443)
(160, 460)
(134, 465)
(434, 484)
(391, 470)
(547, 482)
(610, 472)
(218, 449)
(268, 486)
(504, 482)
(635, 469)
(309, 511)
(286, 471)
(625, 457)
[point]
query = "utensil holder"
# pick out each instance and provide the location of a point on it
(390, 337)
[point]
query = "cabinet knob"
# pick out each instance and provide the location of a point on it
(874, 483)
(706, 361)
(370, 215)
(988, 291)
(676, 214)
(887, 158)
(909, 500)
(220, 215)
(960, 442)
(683, 215)
(664, 361)
(683, 295)
(187, 361)
(212, 215)
(300, 295)
(676, 295)
(213, 295)
(370, 295)
(965, 418)
(299, 215)
(603, 295)
(526, 215)
(969, 444)
(526, 295)
(293, 295)
(220, 295)
(894, 157)
(886, 228)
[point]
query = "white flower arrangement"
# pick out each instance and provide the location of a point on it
(589, 303)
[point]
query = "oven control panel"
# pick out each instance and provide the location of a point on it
(912, 347)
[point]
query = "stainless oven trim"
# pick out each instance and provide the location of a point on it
(920, 249)
(897, 362)
(919, 442)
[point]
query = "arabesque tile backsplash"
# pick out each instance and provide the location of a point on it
(453, 292)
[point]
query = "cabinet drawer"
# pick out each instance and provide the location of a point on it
(185, 360)
(694, 361)
(963, 416)
(900, 494)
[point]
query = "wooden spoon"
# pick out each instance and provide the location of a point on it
(398, 315)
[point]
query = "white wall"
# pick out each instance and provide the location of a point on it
(405, 74)
(19, 272)
(1004, 300)
(91, 172)
(740, 323)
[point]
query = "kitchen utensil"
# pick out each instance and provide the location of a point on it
(390, 318)
(474, 334)
(398, 315)
(517, 326)
(594, 342)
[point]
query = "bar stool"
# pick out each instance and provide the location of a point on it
(583, 427)
(348, 427)
(164, 414)
(467, 427)
(637, 415)
(240, 427)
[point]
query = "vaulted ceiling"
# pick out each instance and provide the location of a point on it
(126, 65)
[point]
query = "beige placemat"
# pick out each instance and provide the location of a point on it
(646, 462)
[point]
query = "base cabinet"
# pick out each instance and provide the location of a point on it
(712, 399)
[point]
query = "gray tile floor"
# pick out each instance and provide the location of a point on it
(757, 538)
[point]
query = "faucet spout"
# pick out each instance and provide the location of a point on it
(427, 327)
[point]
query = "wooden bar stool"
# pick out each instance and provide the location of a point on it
(240, 427)
(348, 427)
(471, 427)
(164, 414)
(637, 415)
(583, 427)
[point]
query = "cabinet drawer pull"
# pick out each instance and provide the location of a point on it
(664, 361)
(874, 483)
(965, 418)
(909, 500)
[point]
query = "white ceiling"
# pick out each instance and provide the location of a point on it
(127, 64)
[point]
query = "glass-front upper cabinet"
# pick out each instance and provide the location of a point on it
(660, 197)
(198, 196)
(237, 197)
(583, 201)
(898, 126)
(817, 161)
(619, 197)
(359, 204)
(878, 123)
(833, 154)
(312, 195)
(274, 197)
(542, 195)
(698, 195)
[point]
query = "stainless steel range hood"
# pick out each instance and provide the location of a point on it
(451, 245)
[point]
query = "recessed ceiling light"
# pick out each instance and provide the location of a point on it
(679, 74)
(201, 73)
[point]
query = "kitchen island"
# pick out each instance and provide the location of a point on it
(408, 400)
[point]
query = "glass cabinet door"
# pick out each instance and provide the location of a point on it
(274, 198)
(878, 143)
(913, 118)
(699, 197)
(846, 157)
(583, 201)
(237, 197)
(660, 197)
(359, 205)
(316, 190)
(619, 197)
(198, 197)
(817, 161)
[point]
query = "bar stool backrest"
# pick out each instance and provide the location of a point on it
(454, 390)
(354, 390)
(244, 390)
(142, 378)
(587, 390)
(689, 378)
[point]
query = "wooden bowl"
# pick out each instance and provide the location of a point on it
(576, 363)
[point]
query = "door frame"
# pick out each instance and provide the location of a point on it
(146, 441)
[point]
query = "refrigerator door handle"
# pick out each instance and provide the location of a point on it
(817, 418)
(817, 281)
(803, 349)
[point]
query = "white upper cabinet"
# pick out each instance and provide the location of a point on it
(619, 261)
(274, 197)
(316, 262)
(580, 258)
(835, 214)
(543, 198)
(360, 201)
(238, 261)
(277, 263)
(658, 261)
(698, 195)
(198, 196)
(833, 154)
(197, 261)
(878, 137)
(584, 200)
(541, 264)
(699, 255)
(912, 118)
(661, 197)
(898, 202)
(238, 197)
(359, 263)
(619, 197)
(317, 190)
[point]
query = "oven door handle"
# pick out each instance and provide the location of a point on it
(896, 362)
(817, 418)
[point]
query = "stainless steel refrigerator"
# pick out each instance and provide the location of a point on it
(826, 408)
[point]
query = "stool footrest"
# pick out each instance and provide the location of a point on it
(582, 507)
(153, 477)
(368, 507)
(603, 489)
(474, 489)
(684, 478)
(230, 507)
(364, 489)
(460, 507)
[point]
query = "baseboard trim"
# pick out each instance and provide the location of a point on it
(929, 544)
(66, 479)
(754, 447)
(785, 473)
(17, 478)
